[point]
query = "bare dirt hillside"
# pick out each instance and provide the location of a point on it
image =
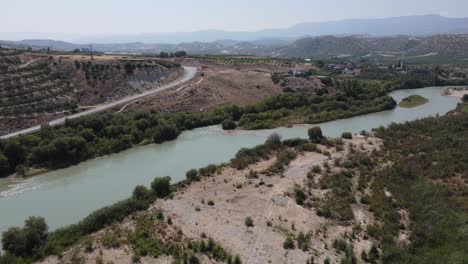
(218, 208)
(217, 84)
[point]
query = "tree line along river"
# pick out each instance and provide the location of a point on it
(67, 195)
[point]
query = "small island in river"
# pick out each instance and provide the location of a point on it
(413, 101)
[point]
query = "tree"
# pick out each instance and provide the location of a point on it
(15, 152)
(140, 193)
(320, 64)
(25, 241)
(165, 132)
(273, 140)
(180, 53)
(315, 134)
(228, 124)
(4, 164)
(275, 77)
(129, 68)
(12, 241)
(161, 186)
(35, 232)
(465, 98)
(192, 175)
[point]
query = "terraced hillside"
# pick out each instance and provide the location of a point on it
(32, 87)
(35, 88)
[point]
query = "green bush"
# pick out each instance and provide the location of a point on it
(192, 175)
(228, 124)
(248, 221)
(347, 135)
(303, 241)
(465, 98)
(161, 186)
(300, 195)
(288, 243)
(315, 134)
(165, 133)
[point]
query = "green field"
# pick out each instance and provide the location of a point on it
(412, 101)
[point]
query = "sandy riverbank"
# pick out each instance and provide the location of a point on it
(457, 92)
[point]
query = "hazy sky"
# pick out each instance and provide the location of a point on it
(79, 17)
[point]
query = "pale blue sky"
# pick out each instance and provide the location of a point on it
(80, 17)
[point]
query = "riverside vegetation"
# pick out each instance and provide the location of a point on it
(96, 135)
(417, 170)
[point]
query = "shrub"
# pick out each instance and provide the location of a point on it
(209, 170)
(315, 134)
(110, 240)
(288, 243)
(373, 254)
(300, 195)
(192, 175)
(465, 98)
(210, 203)
(237, 260)
(303, 241)
(161, 186)
(248, 221)
(228, 124)
(141, 193)
(347, 135)
(316, 169)
(295, 142)
(273, 140)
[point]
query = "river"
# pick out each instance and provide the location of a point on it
(65, 196)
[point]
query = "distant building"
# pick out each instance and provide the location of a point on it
(351, 72)
(347, 71)
(295, 72)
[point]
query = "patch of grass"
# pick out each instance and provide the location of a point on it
(413, 101)
(465, 108)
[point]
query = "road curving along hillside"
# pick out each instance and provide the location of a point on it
(189, 73)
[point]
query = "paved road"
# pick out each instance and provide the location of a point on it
(189, 73)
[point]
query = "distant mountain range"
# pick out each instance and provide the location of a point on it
(448, 46)
(411, 35)
(407, 25)
(424, 25)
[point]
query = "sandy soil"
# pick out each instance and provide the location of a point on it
(269, 201)
(457, 93)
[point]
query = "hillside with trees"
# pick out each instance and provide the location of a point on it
(37, 87)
